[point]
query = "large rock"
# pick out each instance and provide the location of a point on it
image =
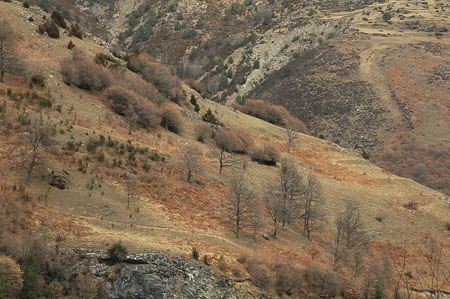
(160, 276)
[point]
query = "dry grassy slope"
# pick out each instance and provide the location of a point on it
(175, 216)
(376, 82)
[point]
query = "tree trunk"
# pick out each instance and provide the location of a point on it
(275, 230)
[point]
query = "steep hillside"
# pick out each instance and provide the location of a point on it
(110, 173)
(381, 86)
(365, 74)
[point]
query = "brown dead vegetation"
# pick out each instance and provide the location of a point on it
(274, 114)
(82, 72)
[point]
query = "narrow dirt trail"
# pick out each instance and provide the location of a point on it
(370, 71)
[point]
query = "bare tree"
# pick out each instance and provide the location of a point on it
(311, 205)
(255, 219)
(435, 276)
(291, 134)
(290, 189)
(283, 198)
(132, 192)
(9, 59)
(400, 262)
(222, 150)
(242, 202)
(38, 133)
(191, 159)
(350, 234)
(273, 204)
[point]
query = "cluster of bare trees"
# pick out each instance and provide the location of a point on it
(291, 197)
(245, 209)
(294, 196)
(350, 239)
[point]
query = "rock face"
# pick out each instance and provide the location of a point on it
(57, 180)
(154, 275)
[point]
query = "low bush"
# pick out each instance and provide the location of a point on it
(171, 119)
(203, 132)
(274, 114)
(70, 45)
(411, 205)
(37, 80)
(136, 84)
(50, 27)
(75, 30)
(288, 279)
(195, 253)
(84, 73)
(259, 272)
(59, 19)
(105, 59)
(119, 99)
(320, 281)
(136, 109)
(159, 75)
(267, 155)
(92, 144)
(209, 117)
(117, 252)
(228, 140)
(148, 115)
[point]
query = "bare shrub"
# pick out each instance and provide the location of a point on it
(266, 154)
(120, 99)
(209, 117)
(274, 114)
(148, 115)
(411, 205)
(136, 84)
(84, 73)
(136, 109)
(10, 60)
(321, 282)
(10, 278)
(195, 253)
(117, 51)
(106, 60)
(171, 119)
(159, 75)
(228, 140)
(37, 80)
(259, 271)
(50, 27)
(203, 132)
(75, 30)
(190, 68)
(288, 279)
(58, 19)
(222, 264)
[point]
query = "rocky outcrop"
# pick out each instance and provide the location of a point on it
(157, 275)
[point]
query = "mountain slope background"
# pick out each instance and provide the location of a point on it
(365, 74)
(145, 202)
